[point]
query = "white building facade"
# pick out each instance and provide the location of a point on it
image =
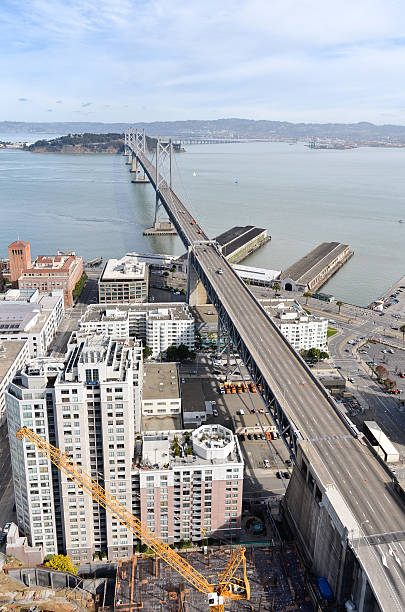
(302, 330)
(29, 315)
(90, 409)
(157, 325)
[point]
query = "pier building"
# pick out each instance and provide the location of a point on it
(314, 269)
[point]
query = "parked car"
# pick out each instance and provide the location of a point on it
(286, 475)
(266, 463)
(215, 412)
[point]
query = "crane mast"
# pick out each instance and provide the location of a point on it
(228, 588)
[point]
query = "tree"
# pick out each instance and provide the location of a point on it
(313, 353)
(307, 295)
(381, 372)
(276, 287)
(324, 355)
(339, 304)
(171, 353)
(147, 352)
(61, 563)
(402, 329)
(389, 383)
(183, 352)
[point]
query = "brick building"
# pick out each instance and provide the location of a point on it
(51, 273)
(19, 253)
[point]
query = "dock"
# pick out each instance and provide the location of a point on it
(314, 269)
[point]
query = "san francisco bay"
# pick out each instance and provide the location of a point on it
(87, 203)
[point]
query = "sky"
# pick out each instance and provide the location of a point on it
(162, 60)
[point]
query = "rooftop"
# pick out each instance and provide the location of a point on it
(209, 445)
(164, 310)
(161, 423)
(287, 311)
(160, 380)
(262, 275)
(309, 266)
(9, 350)
(22, 316)
(126, 268)
(51, 262)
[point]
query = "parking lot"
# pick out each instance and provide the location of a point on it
(393, 360)
(259, 480)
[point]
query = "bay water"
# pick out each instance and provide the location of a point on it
(87, 203)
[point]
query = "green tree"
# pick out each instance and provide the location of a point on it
(314, 353)
(324, 355)
(402, 329)
(79, 286)
(61, 563)
(307, 295)
(339, 304)
(183, 352)
(147, 352)
(276, 287)
(171, 353)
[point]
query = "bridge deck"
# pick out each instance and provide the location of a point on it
(362, 481)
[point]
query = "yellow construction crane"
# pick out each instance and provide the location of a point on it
(228, 588)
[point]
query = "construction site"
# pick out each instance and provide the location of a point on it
(277, 582)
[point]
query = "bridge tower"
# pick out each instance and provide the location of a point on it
(127, 142)
(138, 141)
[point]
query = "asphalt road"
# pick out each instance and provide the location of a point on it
(89, 295)
(365, 485)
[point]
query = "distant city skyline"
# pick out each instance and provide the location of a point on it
(126, 60)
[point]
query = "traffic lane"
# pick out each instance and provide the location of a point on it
(280, 368)
(377, 483)
(362, 479)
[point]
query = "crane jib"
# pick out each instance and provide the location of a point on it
(226, 587)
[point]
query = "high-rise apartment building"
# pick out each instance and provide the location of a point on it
(190, 483)
(158, 325)
(90, 407)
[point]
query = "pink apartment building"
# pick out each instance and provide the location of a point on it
(191, 483)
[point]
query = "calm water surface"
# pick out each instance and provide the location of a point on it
(87, 203)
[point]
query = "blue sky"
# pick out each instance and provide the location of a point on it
(146, 60)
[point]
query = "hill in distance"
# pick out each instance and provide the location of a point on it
(362, 132)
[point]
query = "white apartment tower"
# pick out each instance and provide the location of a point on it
(30, 402)
(93, 411)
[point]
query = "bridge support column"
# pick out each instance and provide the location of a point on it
(129, 162)
(138, 173)
(196, 294)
